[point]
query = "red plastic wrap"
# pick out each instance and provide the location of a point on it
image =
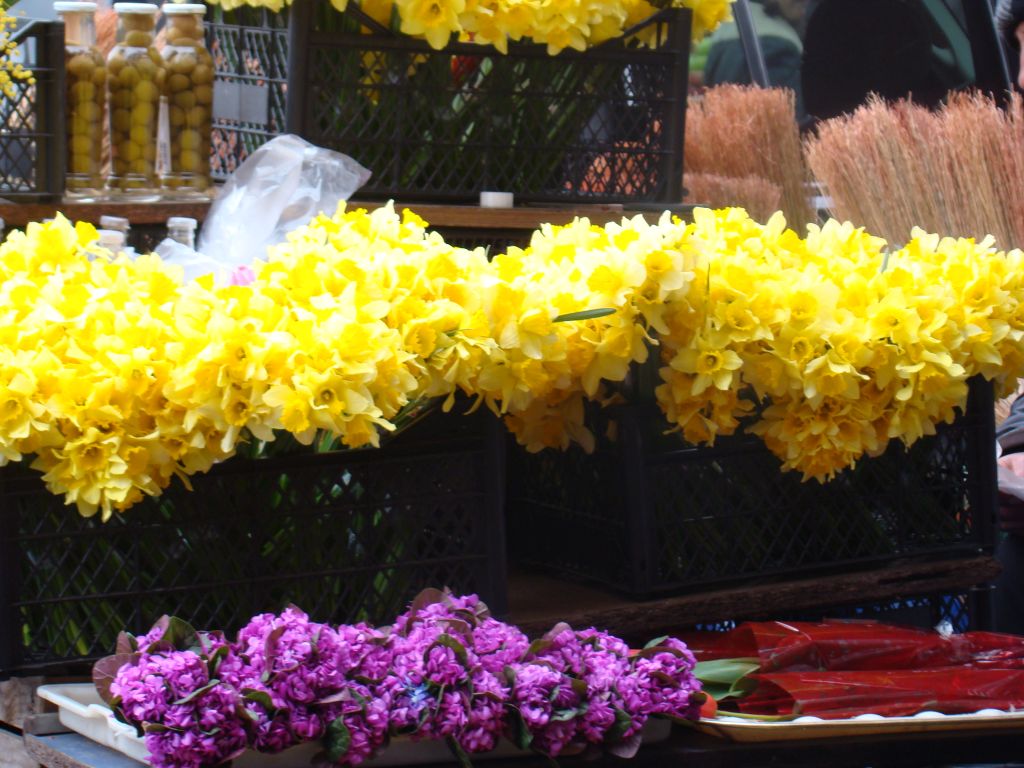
(856, 645)
(839, 669)
(834, 695)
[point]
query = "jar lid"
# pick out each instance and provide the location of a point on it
(135, 8)
(114, 222)
(171, 9)
(67, 6)
(181, 221)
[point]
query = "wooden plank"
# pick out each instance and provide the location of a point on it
(13, 753)
(467, 216)
(70, 750)
(17, 215)
(45, 724)
(526, 217)
(641, 620)
(684, 748)
(18, 699)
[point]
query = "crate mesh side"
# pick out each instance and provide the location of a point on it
(729, 514)
(344, 539)
(250, 53)
(760, 520)
(435, 125)
(26, 135)
(924, 611)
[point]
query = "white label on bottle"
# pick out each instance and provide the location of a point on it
(163, 139)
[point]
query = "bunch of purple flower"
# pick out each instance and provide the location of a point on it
(189, 718)
(444, 670)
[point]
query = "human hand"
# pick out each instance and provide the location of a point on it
(1019, 34)
(1013, 462)
(1011, 509)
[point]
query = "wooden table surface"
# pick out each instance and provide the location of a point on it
(684, 749)
(537, 601)
(459, 216)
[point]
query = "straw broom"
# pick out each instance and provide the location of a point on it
(743, 131)
(958, 171)
(758, 196)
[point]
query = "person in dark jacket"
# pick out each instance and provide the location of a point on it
(1008, 598)
(778, 24)
(1010, 18)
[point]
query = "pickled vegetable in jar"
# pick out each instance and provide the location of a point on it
(86, 79)
(135, 79)
(190, 101)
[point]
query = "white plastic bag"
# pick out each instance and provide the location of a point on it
(279, 187)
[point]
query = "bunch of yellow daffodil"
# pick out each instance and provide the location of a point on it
(558, 24)
(847, 345)
(11, 70)
(543, 369)
(117, 375)
(87, 350)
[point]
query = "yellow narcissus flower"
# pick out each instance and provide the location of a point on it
(557, 24)
(116, 376)
(433, 20)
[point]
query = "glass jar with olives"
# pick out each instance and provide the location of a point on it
(135, 79)
(86, 78)
(190, 101)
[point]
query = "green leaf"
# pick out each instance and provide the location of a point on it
(126, 644)
(179, 633)
(623, 722)
(716, 691)
(260, 697)
(198, 692)
(519, 734)
(337, 740)
(656, 642)
(459, 752)
(586, 314)
(457, 625)
(579, 687)
(270, 651)
(104, 671)
(626, 749)
(450, 642)
(213, 662)
(725, 678)
(537, 647)
(428, 596)
(556, 630)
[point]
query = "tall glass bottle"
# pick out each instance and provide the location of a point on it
(190, 101)
(135, 77)
(86, 77)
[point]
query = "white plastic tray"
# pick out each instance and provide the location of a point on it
(804, 728)
(80, 708)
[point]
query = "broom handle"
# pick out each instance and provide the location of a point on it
(751, 44)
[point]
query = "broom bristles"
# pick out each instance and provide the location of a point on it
(957, 171)
(742, 131)
(758, 196)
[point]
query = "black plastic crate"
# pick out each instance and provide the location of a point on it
(649, 514)
(250, 54)
(32, 126)
(957, 612)
(605, 125)
(345, 536)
